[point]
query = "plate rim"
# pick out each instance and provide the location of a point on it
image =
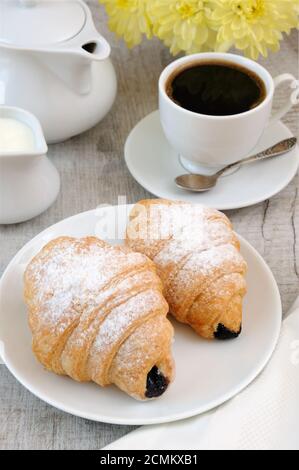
(148, 421)
(221, 207)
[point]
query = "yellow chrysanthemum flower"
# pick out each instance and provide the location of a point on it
(253, 26)
(128, 19)
(183, 25)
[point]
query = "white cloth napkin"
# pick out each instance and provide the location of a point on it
(264, 416)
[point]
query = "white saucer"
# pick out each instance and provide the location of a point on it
(220, 369)
(155, 165)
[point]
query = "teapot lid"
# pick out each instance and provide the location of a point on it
(31, 23)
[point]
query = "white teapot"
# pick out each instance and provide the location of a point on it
(55, 64)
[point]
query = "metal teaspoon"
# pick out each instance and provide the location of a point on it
(200, 183)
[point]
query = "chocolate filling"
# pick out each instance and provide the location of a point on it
(156, 383)
(224, 333)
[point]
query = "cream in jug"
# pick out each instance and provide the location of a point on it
(15, 136)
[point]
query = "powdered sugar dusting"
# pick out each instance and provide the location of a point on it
(201, 236)
(187, 229)
(70, 277)
(117, 326)
(206, 261)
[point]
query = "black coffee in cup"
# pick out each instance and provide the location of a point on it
(216, 88)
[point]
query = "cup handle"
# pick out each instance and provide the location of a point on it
(292, 99)
(1, 352)
(2, 92)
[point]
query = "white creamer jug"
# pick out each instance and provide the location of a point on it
(29, 182)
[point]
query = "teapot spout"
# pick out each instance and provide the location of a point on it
(96, 49)
(73, 63)
(80, 59)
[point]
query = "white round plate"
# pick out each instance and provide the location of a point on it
(207, 372)
(155, 165)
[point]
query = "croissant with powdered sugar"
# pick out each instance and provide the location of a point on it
(97, 313)
(198, 258)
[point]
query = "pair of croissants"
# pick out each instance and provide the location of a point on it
(99, 312)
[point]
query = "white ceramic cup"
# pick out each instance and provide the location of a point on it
(206, 143)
